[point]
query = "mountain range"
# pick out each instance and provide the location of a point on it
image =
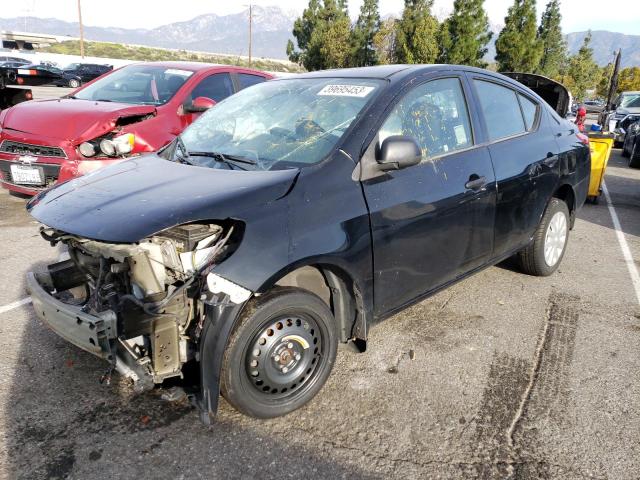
(272, 26)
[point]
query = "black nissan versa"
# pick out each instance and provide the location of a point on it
(298, 213)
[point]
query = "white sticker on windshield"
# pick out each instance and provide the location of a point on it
(346, 90)
(175, 71)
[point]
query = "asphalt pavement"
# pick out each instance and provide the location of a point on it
(501, 376)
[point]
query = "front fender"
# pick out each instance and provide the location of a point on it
(221, 316)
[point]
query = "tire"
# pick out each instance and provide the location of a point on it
(295, 333)
(73, 83)
(625, 153)
(634, 157)
(533, 259)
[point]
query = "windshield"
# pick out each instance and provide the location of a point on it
(630, 100)
(280, 124)
(137, 84)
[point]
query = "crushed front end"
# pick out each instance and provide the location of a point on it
(140, 306)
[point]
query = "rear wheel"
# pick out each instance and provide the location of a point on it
(634, 158)
(544, 254)
(280, 354)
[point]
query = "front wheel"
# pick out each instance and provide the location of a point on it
(280, 353)
(545, 252)
(74, 83)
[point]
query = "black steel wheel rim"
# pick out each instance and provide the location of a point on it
(283, 357)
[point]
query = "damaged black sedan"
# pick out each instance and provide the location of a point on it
(296, 214)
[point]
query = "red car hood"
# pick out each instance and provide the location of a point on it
(69, 119)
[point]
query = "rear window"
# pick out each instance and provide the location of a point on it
(529, 110)
(500, 109)
(246, 80)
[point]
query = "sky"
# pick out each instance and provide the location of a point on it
(577, 15)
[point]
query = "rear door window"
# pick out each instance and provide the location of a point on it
(500, 109)
(435, 115)
(246, 80)
(216, 87)
(529, 110)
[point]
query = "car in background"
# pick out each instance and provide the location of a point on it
(44, 74)
(593, 106)
(625, 111)
(299, 213)
(14, 63)
(87, 71)
(8, 58)
(133, 110)
(631, 145)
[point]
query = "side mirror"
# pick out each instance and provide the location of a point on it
(199, 104)
(397, 152)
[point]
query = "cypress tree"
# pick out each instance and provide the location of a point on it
(582, 71)
(518, 48)
(417, 32)
(554, 47)
(322, 33)
(366, 28)
(465, 34)
(303, 27)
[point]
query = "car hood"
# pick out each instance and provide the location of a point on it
(129, 201)
(70, 119)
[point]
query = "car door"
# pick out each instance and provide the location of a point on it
(431, 222)
(525, 159)
(217, 87)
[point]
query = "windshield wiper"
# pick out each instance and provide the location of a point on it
(224, 157)
(103, 100)
(184, 155)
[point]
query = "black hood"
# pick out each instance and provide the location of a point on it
(134, 199)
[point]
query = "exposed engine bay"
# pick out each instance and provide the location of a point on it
(140, 306)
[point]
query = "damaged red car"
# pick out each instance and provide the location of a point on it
(133, 110)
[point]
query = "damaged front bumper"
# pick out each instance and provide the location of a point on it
(94, 334)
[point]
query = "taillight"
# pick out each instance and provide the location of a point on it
(28, 95)
(583, 138)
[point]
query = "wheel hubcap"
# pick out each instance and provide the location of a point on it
(284, 356)
(555, 238)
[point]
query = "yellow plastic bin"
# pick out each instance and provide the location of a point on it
(600, 145)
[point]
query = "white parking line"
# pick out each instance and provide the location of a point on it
(11, 306)
(624, 246)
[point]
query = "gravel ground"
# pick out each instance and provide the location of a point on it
(511, 376)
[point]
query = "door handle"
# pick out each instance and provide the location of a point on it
(475, 182)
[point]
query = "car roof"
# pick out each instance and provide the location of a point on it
(192, 66)
(394, 72)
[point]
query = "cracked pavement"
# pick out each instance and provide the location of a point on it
(501, 376)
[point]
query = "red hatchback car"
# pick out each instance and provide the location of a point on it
(135, 109)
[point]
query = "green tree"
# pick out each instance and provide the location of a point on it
(323, 36)
(582, 71)
(602, 89)
(303, 28)
(518, 48)
(554, 46)
(385, 42)
(465, 34)
(366, 28)
(629, 79)
(416, 33)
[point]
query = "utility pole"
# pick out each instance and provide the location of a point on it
(250, 22)
(81, 30)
